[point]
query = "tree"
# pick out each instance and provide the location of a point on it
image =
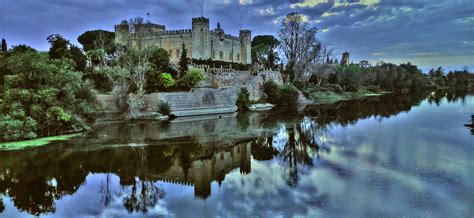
(263, 51)
(21, 49)
(191, 78)
(183, 61)
(160, 58)
(4, 47)
(243, 100)
(299, 43)
(98, 39)
(59, 47)
(43, 97)
(78, 57)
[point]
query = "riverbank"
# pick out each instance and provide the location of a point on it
(329, 97)
(17, 145)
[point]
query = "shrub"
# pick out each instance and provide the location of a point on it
(270, 88)
(243, 100)
(288, 95)
(166, 81)
(191, 78)
(164, 108)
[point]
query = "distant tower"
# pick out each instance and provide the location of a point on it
(345, 58)
(245, 46)
(200, 38)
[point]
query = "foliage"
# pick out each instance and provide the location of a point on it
(270, 88)
(43, 97)
(299, 44)
(160, 58)
(166, 81)
(183, 61)
(243, 99)
(349, 77)
(98, 39)
(191, 78)
(286, 95)
(263, 51)
(78, 57)
(59, 47)
(164, 108)
(4, 46)
(20, 49)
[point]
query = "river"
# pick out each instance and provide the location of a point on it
(389, 156)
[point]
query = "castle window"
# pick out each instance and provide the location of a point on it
(213, 54)
(238, 57)
(221, 55)
(231, 56)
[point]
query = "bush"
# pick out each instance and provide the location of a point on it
(243, 100)
(191, 78)
(164, 108)
(270, 88)
(288, 95)
(166, 81)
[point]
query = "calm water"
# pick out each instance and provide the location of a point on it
(387, 156)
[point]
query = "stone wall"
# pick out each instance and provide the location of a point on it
(197, 102)
(244, 79)
(202, 101)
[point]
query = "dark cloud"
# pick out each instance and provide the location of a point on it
(369, 29)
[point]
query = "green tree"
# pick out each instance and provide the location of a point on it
(59, 47)
(160, 58)
(4, 47)
(191, 78)
(98, 39)
(263, 51)
(183, 61)
(243, 100)
(79, 58)
(44, 97)
(21, 49)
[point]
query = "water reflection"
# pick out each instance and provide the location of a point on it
(139, 167)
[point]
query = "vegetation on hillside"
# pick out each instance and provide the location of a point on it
(44, 94)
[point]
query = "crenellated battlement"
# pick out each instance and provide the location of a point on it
(200, 20)
(173, 32)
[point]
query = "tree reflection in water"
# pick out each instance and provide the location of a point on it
(296, 147)
(143, 195)
(2, 206)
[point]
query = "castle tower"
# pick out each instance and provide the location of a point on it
(345, 58)
(200, 38)
(245, 46)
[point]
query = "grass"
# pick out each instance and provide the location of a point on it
(326, 97)
(35, 142)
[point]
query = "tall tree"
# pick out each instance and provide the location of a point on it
(59, 47)
(263, 51)
(78, 57)
(98, 39)
(4, 47)
(183, 61)
(299, 43)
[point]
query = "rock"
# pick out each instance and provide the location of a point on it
(261, 107)
(302, 100)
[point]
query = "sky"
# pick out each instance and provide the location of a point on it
(429, 33)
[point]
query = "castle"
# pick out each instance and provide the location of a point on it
(200, 42)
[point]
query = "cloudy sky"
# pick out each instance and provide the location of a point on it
(426, 32)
